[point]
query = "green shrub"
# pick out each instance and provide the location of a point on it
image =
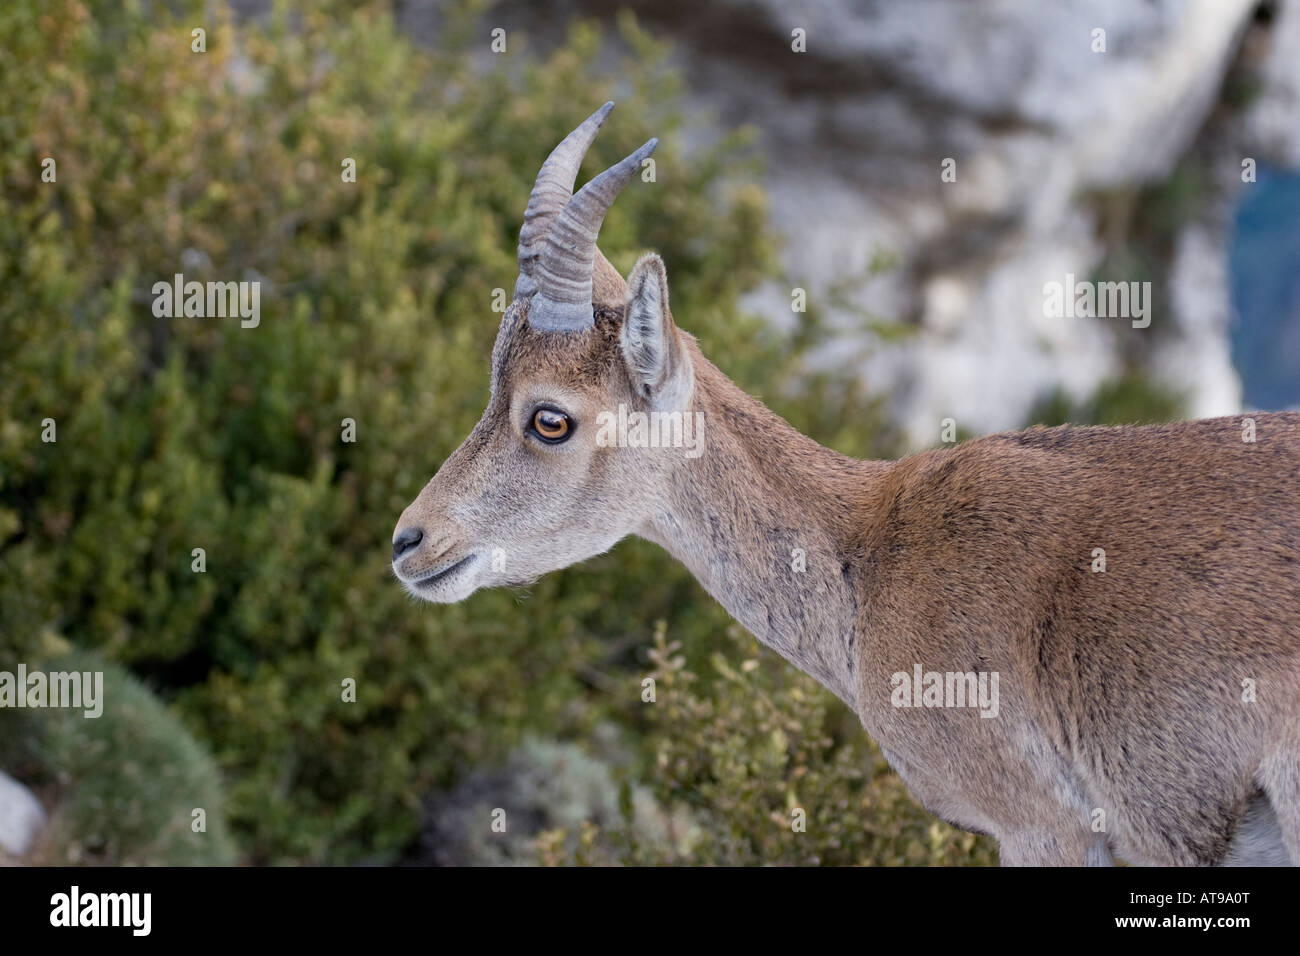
(774, 769)
(750, 763)
(125, 784)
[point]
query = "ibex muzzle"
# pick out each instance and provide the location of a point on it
(1083, 641)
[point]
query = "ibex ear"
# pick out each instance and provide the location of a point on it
(656, 358)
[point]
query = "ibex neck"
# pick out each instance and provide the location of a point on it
(765, 520)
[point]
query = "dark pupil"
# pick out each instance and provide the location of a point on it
(550, 422)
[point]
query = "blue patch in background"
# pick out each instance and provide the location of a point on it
(1264, 263)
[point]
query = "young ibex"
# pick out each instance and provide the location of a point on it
(1129, 596)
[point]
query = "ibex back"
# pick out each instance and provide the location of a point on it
(1082, 641)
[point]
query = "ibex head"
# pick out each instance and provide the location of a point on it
(532, 489)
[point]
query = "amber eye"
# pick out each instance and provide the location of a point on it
(551, 426)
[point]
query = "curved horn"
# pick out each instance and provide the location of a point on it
(552, 190)
(568, 255)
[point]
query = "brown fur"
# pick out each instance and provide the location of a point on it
(1121, 725)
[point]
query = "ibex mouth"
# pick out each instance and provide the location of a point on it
(439, 575)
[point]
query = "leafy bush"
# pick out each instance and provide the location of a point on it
(179, 434)
(767, 767)
(125, 784)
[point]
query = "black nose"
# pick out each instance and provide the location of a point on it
(406, 540)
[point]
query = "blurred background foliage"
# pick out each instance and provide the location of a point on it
(176, 434)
